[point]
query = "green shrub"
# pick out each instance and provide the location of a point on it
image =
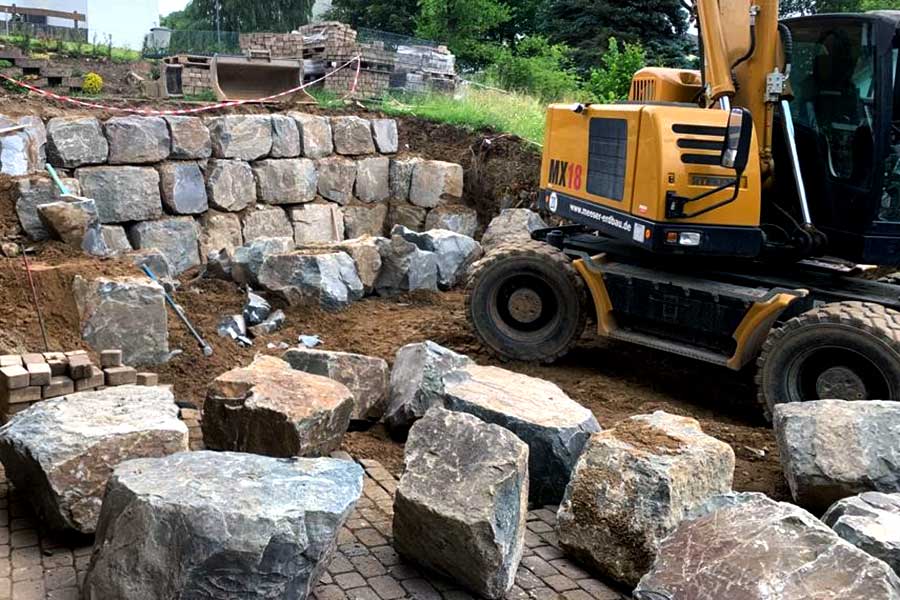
(611, 82)
(92, 85)
(537, 67)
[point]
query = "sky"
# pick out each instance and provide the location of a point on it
(170, 6)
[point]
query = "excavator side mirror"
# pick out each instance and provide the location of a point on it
(736, 150)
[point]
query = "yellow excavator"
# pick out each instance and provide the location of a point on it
(736, 214)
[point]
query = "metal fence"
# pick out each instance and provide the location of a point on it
(200, 43)
(39, 31)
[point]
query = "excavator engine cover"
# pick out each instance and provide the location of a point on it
(249, 78)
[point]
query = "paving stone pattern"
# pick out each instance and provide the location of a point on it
(39, 566)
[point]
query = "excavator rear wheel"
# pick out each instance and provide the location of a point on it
(527, 302)
(840, 351)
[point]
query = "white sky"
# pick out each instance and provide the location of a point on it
(170, 6)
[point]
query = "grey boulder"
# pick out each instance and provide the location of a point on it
(352, 136)
(285, 137)
(454, 252)
(401, 177)
(435, 182)
(363, 251)
(337, 176)
(285, 181)
(23, 152)
(329, 281)
(317, 222)
(453, 217)
(178, 238)
(122, 194)
(244, 137)
(190, 137)
(633, 485)
(137, 140)
(74, 220)
(461, 505)
(34, 191)
(405, 268)
(230, 185)
(555, 427)
(76, 141)
(220, 231)
(871, 522)
(315, 135)
(183, 188)
(266, 222)
(62, 451)
(248, 259)
(373, 179)
(220, 525)
(369, 220)
(411, 217)
(116, 239)
(510, 225)
(384, 132)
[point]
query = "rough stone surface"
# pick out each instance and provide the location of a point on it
(754, 548)
(245, 137)
(315, 135)
(220, 231)
(401, 177)
(454, 252)
(337, 176)
(462, 502)
(871, 522)
(154, 260)
(266, 222)
(248, 259)
(230, 185)
(417, 382)
(435, 182)
(365, 220)
(137, 140)
(286, 181)
(317, 223)
(75, 221)
(176, 237)
(220, 525)
(555, 427)
(34, 191)
(23, 152)
(453, 217)
(190, 137)
(127, 313)
(62, 451)
(285, 137)
(352, 136)
(407, 215)
(363, 251)
(405, 268)
(633, 485)
(183, 188)
(384, 132)
(373, 179)
(76, 141)
(269, 408)
(116, 239)
(512, 224)
(365, 376)
(832, 449)
(328, 280)
(122, 194)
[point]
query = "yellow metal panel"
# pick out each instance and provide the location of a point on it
(751, 333)
(606, 322)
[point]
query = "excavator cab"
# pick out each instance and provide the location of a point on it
(846, 116)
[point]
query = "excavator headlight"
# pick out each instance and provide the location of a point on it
(689, 238)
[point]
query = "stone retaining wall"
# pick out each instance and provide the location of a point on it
(189, 186)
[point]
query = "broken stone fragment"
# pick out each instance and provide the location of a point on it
(512, 224)
(274, 323)
(256, 309)
(871, 522)
(61, 452)
(271, 409)
(327, 280)
(76, 141)
(631, 488)
(23, 152)
(220, 231)
(555, 427)
(454, 252)
(116, 239)
(34, 191)
(363, 251)
(462, 502)
(249, 258)
(76, 223)
(750, 547)
(220, 525)
(232, 326)
(365, 376)
(405, 268)
(244, 137)
(137, 140)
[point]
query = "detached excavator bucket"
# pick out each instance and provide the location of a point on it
(249, 77)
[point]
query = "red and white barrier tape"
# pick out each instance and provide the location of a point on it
(186, 111)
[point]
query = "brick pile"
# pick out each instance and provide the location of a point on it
(29, 378)
(187, 74)
(281, 45)
(374, 73)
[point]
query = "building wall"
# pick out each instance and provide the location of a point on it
(66, 5)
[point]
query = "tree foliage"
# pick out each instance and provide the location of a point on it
(612, 81)
(536, 66)
(396, 16)
(242, 15)
(464, 25)
(810, 7)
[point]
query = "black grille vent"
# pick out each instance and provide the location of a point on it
(608, 158)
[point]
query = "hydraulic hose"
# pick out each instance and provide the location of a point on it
(787, 41)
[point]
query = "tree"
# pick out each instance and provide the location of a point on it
(396, 16)
(535, 66)
(246, 15)
(587, 25)
(611, 82)
(463, 25)
(811, 7)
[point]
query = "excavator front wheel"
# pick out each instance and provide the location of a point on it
(840, 351)
(526, 302)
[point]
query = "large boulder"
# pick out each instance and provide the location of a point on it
(127, 313)
(750, 547)
(244, 137)
(328, 280)
(269, 408)
(363, 251)
(220, 525)
(513, 224)
(178, 238)
(453, 217)
(871, 522)
(633, 485)
(832, 449)
(401, 177)
(411, 217)
(230, 185)
(454, 252)
(248, 259)
(352, 136)
(76, 141)
(266, 222)
(34, 191)
(137, 140)
(115, 238)
(122, 194)
(285, 137)
(405, 268)
(183, 188)
(337, 176)
(315, 135)
(76, 223)
(368, 220)
(373, 179)
(286, 181)
(220, 231)
(23, 152)
(317, 222)
(461, 505)
(61, 452)
(555, 427)
(417, 382)
(435, 182)
(190, 138)
(384, 132)
(365, 376)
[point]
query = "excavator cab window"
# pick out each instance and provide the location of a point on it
(890, 202)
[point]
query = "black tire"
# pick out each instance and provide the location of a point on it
(525, 301)
(841, 351)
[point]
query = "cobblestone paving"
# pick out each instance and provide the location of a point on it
(35, 566)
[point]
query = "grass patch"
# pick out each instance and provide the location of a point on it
(36, 47)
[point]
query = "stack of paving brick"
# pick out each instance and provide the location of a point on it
(374, 73)
(29, 378)
(281, 45)
(191, 418)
